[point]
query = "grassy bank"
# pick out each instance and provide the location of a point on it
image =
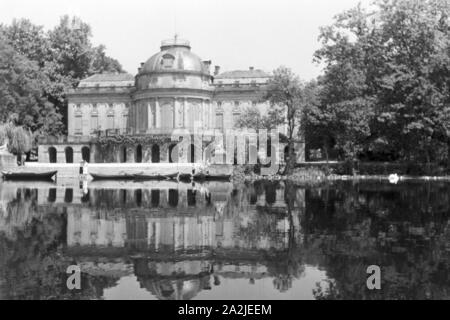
(318, 172)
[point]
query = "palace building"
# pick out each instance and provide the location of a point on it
(173, 89)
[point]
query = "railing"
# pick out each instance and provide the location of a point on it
(175, 41)
(97, 89)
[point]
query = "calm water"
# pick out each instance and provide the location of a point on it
(216, 241)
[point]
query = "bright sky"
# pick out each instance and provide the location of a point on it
(234, 34)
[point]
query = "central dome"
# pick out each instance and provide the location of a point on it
(175, 56)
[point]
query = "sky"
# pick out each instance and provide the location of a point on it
(234, 34)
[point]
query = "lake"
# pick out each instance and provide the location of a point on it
(164, 240)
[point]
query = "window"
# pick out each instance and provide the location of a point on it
(253, 83)
(153, 111)
(236, 83)
(219, 120)
(236, 104)
(110, 117)
(94, 122)
(52, 155)
(110, 121)
(125, 121)
(236, 116)
(167, 61)
(69, 154)
(86, 154)
(94, 118)
(78, 124)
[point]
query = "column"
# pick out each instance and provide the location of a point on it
(149, 116)
(212, 117)
(158, 114)
(178, 113)
(202, 113)
(186, 113)
(207, 114)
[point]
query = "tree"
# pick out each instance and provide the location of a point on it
(18, 139)
(101, 63)
(394, 63)
(63, 56)
(21, 92)
(251, 118)
(284, 94)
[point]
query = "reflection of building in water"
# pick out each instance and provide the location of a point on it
(189, 238)
(183, 280)
(176, 219)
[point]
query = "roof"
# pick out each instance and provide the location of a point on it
(100, 77)
(108, 79)
(183, 60)
(236, 74)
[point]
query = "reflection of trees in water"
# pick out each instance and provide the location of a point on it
(343, 229)
(405, 231)
(283, 261)
(32, 261)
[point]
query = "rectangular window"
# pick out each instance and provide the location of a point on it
(236, 117)
(219, 120)
(125, 122)
(153, 115)
(94, 122)
(110, 121)
(78, 125)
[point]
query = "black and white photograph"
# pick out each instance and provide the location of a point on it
(236, 152)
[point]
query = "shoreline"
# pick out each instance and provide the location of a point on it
(330, 178)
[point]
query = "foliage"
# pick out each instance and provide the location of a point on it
(251, 118)
(19, 140)
(21, 92)
(284, 94)
(48, 64)
(131, 140)
(386, 74)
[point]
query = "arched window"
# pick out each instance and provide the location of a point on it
(123, 154)
(139, 154)
(138, 197)
(173, 197)
(86, 154)
(155, 154)
(286, 153)
(68, 195)
(167, 61)
(173, 156)
(51, 195)
(191, 154)
(191, 198)
(52, 155)
(69, 154)
(271, 193)
(85, 198)
(155, 198)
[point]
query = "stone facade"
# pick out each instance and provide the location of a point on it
(174, 89)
